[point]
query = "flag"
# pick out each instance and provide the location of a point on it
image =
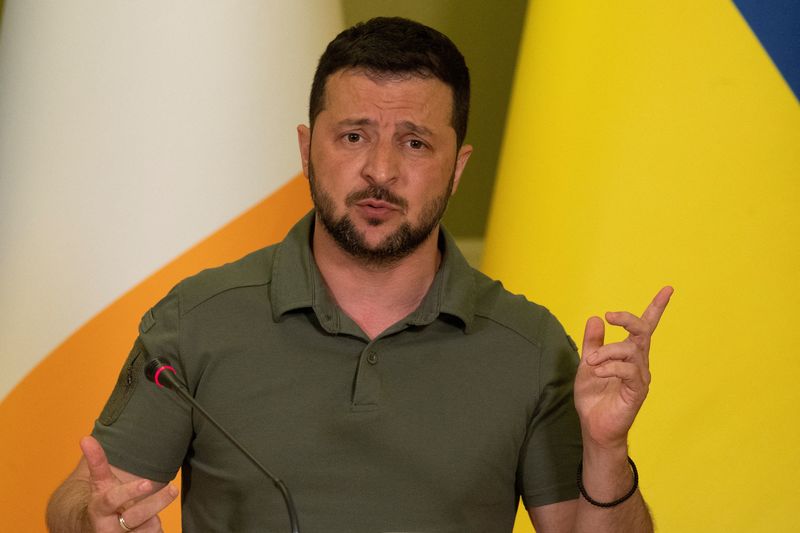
(139, 143)
(654, 143)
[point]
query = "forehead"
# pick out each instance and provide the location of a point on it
(354, 92)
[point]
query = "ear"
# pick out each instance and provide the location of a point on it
(304, 141)
(461, 161)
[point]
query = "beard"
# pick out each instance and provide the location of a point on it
(393, 247)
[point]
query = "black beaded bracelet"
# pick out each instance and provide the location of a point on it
(615, 502)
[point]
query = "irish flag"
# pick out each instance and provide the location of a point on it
(139, 143)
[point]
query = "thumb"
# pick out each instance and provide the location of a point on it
(593, 336)
(99, 469)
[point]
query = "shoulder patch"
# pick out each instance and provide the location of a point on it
(130, 375)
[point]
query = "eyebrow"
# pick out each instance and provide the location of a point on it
(416, 128)
(406, 124)
(355, 122)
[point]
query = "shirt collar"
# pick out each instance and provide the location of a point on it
(297, 283)
(453, 289)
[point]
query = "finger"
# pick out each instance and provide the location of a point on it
(593, 335)
(147, 509)
(619, 351)
(99, 469)
(151, 526)
(652, 315)
(633, 324)
(122, 495)
(629, 373)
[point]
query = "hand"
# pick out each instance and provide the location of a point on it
(111, 497)
(613, 379)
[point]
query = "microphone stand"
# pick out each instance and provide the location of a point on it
(164, 375)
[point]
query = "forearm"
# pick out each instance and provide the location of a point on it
(607, 476)
(67, 508)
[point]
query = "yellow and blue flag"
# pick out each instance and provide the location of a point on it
(653, 143)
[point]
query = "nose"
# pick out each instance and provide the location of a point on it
(381, 165)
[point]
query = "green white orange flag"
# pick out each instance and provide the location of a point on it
(654, 143)
(139, 143)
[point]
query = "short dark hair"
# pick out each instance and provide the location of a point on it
(394, 45)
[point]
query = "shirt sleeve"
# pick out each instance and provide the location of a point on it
(549, 460)
(144, 429)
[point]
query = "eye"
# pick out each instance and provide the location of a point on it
(416, 144)
(353, 137)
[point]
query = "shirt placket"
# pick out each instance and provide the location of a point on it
(367, 384)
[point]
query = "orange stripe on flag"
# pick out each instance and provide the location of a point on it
(46, 414)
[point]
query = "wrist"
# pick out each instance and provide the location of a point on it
(84, 522)
(609, 503)
(611, 452)
(602, 442)
(606, 473)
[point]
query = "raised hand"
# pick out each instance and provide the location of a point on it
(613, 379)
(138, 501)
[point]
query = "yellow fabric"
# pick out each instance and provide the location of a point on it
(654, 143)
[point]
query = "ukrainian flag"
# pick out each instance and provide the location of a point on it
(654, 143)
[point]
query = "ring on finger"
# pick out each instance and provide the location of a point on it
(122, 523)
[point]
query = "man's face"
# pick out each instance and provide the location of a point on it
(382, 162)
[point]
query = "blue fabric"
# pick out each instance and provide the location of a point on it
(776, 23)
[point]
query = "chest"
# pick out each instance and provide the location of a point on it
(429, 420)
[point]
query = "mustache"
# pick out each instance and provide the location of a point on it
(376, 192)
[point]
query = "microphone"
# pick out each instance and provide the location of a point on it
(164, 375)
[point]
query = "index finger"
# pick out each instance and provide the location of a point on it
(99, 469)
(652, 315)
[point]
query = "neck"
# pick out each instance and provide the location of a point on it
(376, 296)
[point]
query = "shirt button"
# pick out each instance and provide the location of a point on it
(372, 357)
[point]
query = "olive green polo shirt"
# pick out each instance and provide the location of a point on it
(438, 424)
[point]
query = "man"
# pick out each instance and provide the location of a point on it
(391, 387)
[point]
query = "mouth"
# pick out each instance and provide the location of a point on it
(376, 212)
(376, 202)
(379, 205)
